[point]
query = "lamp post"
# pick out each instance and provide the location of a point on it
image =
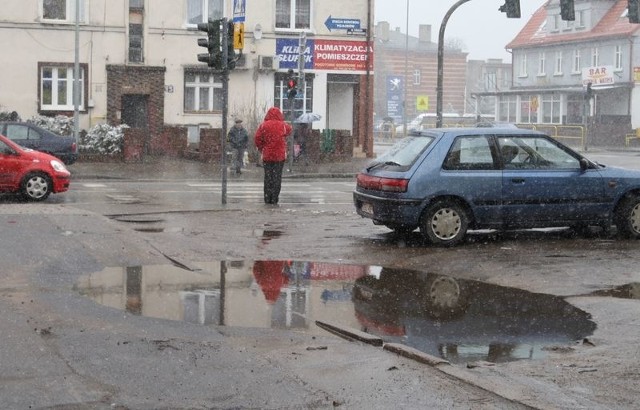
(439, 92)
(406, 75)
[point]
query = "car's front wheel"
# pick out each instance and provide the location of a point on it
(445, 222)
(627, 217)
(36, 186)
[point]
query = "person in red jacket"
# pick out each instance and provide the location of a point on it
(271, 141)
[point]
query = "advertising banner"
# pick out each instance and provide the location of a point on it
(324, 54)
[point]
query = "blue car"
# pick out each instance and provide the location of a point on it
(450, 180)
(29, 135)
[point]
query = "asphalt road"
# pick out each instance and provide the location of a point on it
(66, 350)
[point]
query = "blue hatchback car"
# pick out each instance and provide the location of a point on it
(450, 180)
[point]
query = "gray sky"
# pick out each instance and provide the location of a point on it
(483, 29)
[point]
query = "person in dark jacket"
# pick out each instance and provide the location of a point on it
(271, 141)
(238, 139)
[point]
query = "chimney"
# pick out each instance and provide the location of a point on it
(424, 33)
(383, 30)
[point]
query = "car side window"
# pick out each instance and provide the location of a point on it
(469, 153)
(17, 132)
(534, 152)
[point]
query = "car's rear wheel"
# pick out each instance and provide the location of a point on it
(445, 222)
(36, 186)
(627, 217)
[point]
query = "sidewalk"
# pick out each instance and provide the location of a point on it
(172, 169)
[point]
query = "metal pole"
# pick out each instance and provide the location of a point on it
(406, 75)
(225, 109)
(439, 92)
(76, 77)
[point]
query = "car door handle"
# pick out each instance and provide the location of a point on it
(517, 180)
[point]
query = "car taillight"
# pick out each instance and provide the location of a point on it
(382, 184)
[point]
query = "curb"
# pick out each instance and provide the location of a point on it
(521, 392)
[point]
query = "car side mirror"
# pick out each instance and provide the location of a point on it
(584, 164)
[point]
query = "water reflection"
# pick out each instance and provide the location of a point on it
(458, 320)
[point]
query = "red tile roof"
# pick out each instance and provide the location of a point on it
(611, 25)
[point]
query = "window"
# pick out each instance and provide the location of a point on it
(302, 103)
(534, 153)
(63, 11)
(556, 22)
(618, 58)
(595, 57)
(202, 91)
(136, 4)
(200, 11)
(293, 14)
(541, 63)
(580, 18)
(558, 65)
(523, 66)
(56, 87)
(550, 109)
(416, 77)
(469, 153)
(576, 62)
(135, 43)
(507, 109)
(529, 109)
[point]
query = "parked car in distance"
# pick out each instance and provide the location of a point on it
(32, 136)
(450, 180)
(32, 174)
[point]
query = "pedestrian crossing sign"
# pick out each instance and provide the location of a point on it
(422, 103)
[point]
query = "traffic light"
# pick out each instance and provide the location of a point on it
(214, 56)
(567, 11)
(589, 92)
(633, 11)
(231, 56)
(512, 8)
(292, 85)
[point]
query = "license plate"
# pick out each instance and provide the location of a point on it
(367, 208)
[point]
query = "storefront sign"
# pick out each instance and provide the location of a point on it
(395, 91)
(597, 76)
(324, 54)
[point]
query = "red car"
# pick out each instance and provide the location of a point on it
(32, 174)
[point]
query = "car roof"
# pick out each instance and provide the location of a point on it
(470, 131)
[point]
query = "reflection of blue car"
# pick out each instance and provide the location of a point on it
(448, 181)
(461, 319)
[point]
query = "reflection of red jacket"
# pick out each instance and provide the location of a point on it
(271, 277)
(271, 136)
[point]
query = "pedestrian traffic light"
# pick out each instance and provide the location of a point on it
(231, 52)
(512, 8)
(589, 92)
(214, 56)
(292, 85)
(567, 11)
(633, 11)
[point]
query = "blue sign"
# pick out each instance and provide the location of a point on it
(239, 9)
(288, 51)
(341, 24)
(395, 92)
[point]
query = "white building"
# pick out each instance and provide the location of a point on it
(138, 61)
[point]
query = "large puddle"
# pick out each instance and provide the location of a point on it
(458, 320)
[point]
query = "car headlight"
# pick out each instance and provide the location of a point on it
(58, 166)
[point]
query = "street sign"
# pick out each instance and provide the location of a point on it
(239, 9)
(357, 31)
(341, 23)
(238, 36)
(422, 103)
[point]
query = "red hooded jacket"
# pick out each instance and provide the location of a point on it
(271, 136)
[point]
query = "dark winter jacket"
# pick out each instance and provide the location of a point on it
(271, 136)
(238, 137)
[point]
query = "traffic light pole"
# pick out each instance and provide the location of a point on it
(225, 103)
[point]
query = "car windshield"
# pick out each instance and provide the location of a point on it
(404, 152)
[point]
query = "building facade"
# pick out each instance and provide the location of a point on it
(554, 61)
(138, 63)
(406, 75)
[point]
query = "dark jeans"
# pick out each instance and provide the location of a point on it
(238, 159)
(272, 181)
